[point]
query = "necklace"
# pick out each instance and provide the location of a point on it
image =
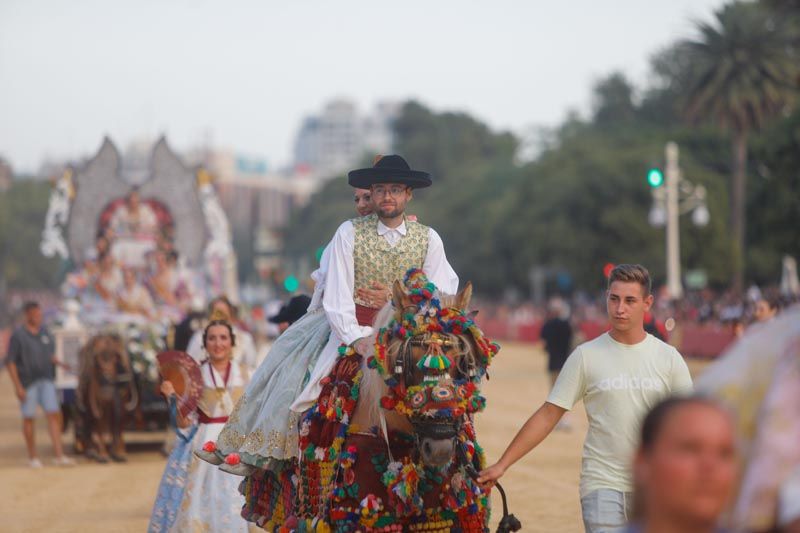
(224, 389)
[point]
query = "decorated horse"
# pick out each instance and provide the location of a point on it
(390, 444)
(106, 394)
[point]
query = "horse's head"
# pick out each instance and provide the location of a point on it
(107, 356)
(432, 356)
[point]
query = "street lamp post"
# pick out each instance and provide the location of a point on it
(678, 196)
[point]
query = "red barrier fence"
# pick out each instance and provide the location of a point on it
(693, 340)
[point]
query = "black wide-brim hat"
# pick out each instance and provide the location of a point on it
(389, 169)
(292, 311)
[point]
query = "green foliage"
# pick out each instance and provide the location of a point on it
(741, 71)
(774, 199)
(584, 201)
(22, 211)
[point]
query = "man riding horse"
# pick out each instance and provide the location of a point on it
(365, 256)
(373, 251)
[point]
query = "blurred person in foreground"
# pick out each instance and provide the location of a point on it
(620, 376)
(32, 368)
(685, 470)
(758, 380)
(557, 336)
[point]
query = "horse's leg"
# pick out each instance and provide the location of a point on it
(103, 430)
(117, 446)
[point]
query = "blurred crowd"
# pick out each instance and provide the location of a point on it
(133, 266)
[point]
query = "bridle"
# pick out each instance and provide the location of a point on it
(438, 428)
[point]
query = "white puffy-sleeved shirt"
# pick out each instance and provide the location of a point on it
(339, 286)
(319, 279)
(338, 297)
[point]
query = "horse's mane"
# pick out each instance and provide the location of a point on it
(372, 385)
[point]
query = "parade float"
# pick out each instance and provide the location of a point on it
(143, 241)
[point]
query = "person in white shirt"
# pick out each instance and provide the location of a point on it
(620, 376)
(370, 252)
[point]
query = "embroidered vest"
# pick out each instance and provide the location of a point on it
(375, 260)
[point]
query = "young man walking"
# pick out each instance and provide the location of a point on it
(619, 376)
(31, 365)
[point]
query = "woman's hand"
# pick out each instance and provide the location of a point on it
(167, 389)
(365, 346)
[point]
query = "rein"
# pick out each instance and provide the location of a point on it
(509, 522)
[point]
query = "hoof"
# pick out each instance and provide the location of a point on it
(240, 469)
(209, 457)
(119, 458)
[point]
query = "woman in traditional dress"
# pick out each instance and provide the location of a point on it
(265, 430)
(194, 495)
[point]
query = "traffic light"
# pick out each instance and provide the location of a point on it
(655, 177)
(291, 283)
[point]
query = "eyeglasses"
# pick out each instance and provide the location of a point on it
(394, 190)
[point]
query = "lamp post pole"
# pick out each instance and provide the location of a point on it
(673, 196)
(672, 179)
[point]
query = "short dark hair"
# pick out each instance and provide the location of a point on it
(631, 274)
(30, 305)
(654, 421)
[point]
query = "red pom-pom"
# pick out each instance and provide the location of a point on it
(210, 446)
(233, 459)
(388, 402)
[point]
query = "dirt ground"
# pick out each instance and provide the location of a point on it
(542, 487)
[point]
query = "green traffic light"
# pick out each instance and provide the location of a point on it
(655, 178)
(291, 283)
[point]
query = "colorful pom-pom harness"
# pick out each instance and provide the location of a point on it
(439, 331)
(349, 480)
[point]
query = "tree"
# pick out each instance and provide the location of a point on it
(742, 74)
(22, 211)
(613, 101)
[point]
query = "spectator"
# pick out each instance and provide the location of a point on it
(244, 352)
(557, 337)
(31, 365)
(685, 468)
(766, 309)
(291, 312)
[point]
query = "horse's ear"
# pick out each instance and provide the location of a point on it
(463, 297)
(399, 297)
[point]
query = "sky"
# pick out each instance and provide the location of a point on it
(243, 74)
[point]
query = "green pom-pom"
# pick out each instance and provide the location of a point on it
(434, 362)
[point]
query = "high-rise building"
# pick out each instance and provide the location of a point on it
(339, 137)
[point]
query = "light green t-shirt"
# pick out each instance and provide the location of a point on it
(618, 383)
